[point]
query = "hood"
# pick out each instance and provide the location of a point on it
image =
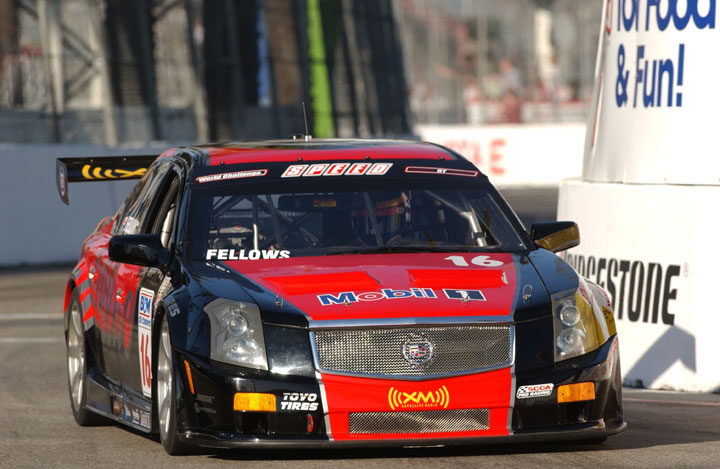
(392, 286)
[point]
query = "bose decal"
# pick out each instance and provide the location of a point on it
(337, 169)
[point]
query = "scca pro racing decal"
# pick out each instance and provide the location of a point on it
(446, 171)
(399, 400)
(306, 401)
(535, 390)
(245, 255)
(337, 169)
(250, 173)
(386, 294)
(145, 312)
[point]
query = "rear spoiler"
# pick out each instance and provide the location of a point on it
(91, 169)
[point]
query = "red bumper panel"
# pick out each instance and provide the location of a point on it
(489, 390)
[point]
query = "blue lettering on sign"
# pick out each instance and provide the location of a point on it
(658, 80)
(664, 13)
(661, 80)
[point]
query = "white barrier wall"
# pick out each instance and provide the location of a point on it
(650, 178)
(652, 248)
(515, 155)
(35, 226)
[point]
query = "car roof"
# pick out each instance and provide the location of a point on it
(272, 151)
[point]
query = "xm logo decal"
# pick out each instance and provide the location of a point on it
(438, 399)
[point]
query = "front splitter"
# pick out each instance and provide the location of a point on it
(590, 431)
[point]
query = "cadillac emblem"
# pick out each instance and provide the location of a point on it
(417, 350)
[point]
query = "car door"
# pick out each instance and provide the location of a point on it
(114, 283)
(147, 285)
(106, 289)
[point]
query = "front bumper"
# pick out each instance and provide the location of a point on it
(206, 417)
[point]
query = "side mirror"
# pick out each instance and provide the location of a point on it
(138, 249)
(555, 236)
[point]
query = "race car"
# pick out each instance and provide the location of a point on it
(331, 293)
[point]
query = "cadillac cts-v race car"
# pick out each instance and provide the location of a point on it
(329, 293)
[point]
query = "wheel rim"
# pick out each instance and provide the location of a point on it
(76, 357)
(164, 381)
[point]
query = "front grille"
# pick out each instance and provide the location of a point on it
(380, 352)
(427, 421)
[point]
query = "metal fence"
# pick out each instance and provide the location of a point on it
(124, 71)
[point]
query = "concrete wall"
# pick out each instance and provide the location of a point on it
(35, 226)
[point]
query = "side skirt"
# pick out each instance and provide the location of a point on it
(109, 400)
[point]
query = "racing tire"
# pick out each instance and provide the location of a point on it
(166, 392)
(76, 365)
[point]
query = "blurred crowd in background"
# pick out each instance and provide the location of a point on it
(498, 61)
(135, 71)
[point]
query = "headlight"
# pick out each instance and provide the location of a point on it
(576, 330)
(236, 333)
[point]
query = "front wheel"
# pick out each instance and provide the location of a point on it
(166, 394)
(77, 366)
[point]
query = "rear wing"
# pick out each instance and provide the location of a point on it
(92, 169)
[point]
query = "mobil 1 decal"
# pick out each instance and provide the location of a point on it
(145, 314)
(640, 291)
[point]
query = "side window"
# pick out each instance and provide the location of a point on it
(134, 219)
(131, 201)
(164, 213)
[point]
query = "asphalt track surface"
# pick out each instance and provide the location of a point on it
(665, 429)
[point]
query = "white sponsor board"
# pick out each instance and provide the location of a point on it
(651, 247)
(515, 154)
(653, 118)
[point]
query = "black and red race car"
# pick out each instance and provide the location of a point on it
(313, 293)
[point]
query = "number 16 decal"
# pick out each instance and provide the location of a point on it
(482, 261)
(145, 313)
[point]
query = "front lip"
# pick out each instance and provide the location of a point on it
(576, 432)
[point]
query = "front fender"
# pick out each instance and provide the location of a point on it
(603, 305)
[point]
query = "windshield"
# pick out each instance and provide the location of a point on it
(227, 224)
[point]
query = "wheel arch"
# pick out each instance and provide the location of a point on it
(69, 288)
